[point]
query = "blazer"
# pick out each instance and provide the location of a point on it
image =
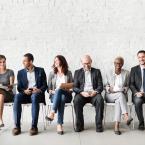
(79, 80)
(52, 79)
(110, 79)
(40, 78)
(135, 80)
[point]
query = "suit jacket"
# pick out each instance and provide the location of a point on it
(40, 78)
(52, 79)
(79, 80)
(135, 80)
(110, 79)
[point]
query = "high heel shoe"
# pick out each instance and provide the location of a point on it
(60, 130)
(128, 122)
(118, 132)
(48, 118)
(2, 125)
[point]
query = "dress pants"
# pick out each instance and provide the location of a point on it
(120, 104)
(80, 101)
(138, 101)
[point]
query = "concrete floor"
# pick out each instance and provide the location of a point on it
(89, 136)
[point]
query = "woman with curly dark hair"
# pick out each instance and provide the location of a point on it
(59, 87)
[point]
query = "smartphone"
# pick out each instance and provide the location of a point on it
(31, 89)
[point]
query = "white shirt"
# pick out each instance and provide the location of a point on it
(142, 67)
(31, 78)
(118, 86)
(59, 80)
(88, 82)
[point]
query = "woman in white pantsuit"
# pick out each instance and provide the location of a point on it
(117, 83)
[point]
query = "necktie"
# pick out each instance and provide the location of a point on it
(144, 79)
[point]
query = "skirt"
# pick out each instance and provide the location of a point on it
(8, 95)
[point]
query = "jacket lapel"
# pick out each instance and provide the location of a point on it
(139, 74)
(25, 79)
(36, 74)
(83, 75)
(92, 76)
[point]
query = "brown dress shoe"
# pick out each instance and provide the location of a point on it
(16, 131)
(33, 131)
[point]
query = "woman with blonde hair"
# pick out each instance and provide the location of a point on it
(6, 86)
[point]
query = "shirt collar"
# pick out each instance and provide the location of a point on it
(87, 70)
(115, 73)
(142, 67)
(31, 70)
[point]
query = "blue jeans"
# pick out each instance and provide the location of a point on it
(21, 98)
(59, 99)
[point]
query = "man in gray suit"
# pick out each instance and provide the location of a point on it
(137, 86)
(88, 87)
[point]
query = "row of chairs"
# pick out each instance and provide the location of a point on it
(46, 109)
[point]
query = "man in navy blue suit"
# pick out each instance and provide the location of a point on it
(31, 87)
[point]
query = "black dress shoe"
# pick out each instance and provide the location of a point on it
(79, 129)
(60, 132)
(129, 121)
(99, 129)
(2, 125)
(48, 118)
(141, 127)
(117, 132)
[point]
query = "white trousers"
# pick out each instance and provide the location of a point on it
(120, 104)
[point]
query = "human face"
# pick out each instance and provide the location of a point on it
(56, 62)
(86, 62)
(118, 64)
(141, 58)
(2, 63)
(27, 63)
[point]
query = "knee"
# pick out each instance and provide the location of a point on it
(121, 95)
(58, 91)
(18, 97)
(138, 101)
(1, 97)
(99, 99)
(35, 98)
(77, 100)
(62, 98)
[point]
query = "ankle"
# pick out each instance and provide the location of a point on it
(116, 126)
(126, 117)
(59, 127)
(1, 121)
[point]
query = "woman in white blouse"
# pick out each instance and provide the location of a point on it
(59, 93)
(116, 92)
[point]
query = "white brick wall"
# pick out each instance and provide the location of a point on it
(101, 28)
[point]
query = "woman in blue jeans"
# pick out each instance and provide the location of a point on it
(59, 93)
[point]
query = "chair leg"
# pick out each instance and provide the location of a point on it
(73, 117)
(134, 116)
(43, 115)
(105, 106)
(22, 114)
